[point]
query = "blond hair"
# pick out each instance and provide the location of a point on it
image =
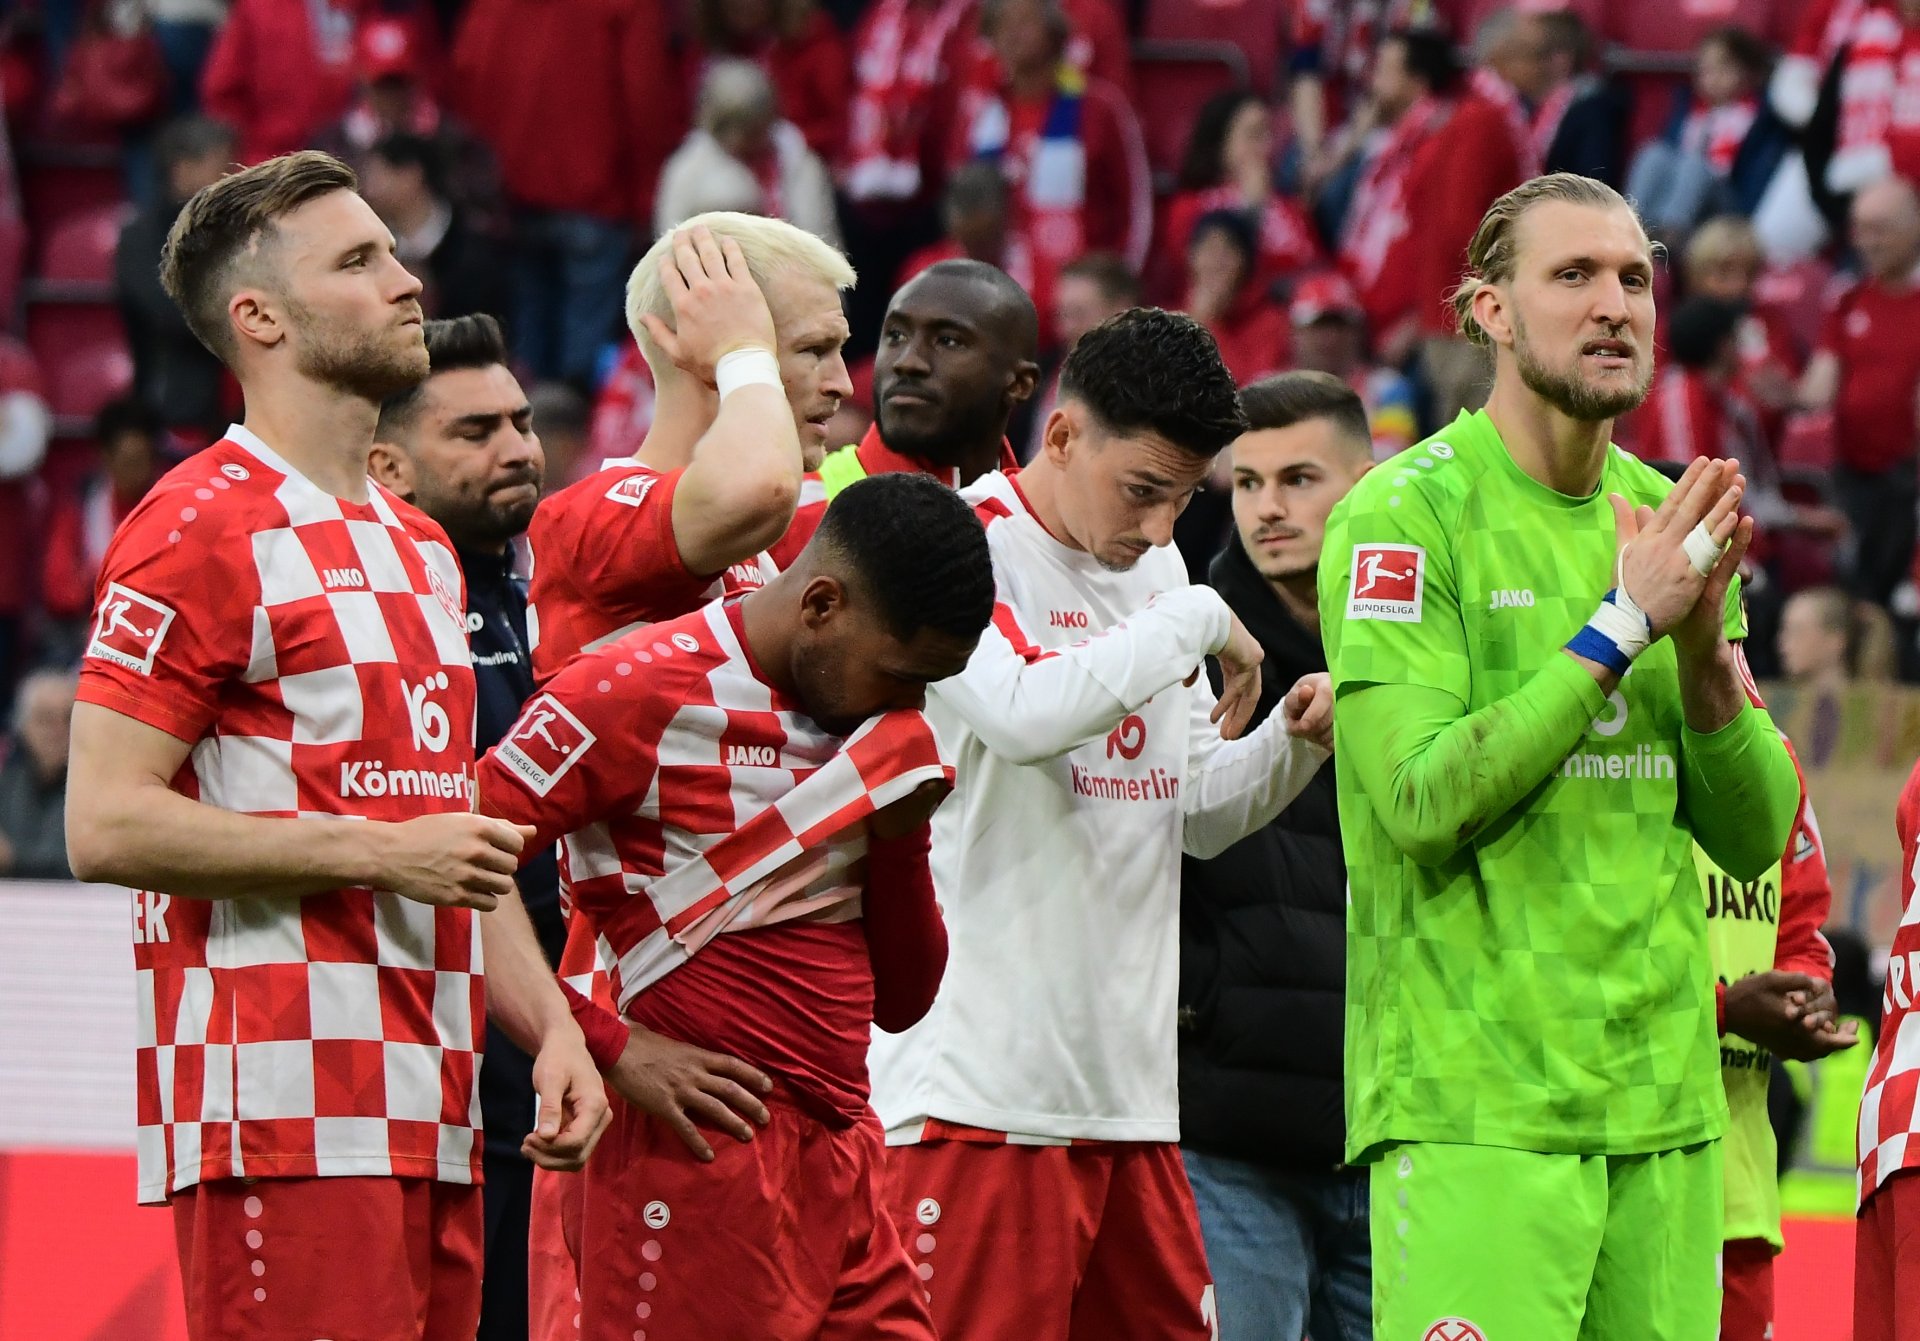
(1495, 247)
(772, 247)
(1714, 241)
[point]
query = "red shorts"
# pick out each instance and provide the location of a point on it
(1087, 1243)
(784, 1238)
(350, 1259)
(1886, 1262)
(553, 1245)
(1746, 1284)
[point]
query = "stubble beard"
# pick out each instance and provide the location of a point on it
(1570, 393)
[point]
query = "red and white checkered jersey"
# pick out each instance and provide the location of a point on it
(605, 562)
(1086, 766)
(1889, 1116)
(690, 798)
(313, 651)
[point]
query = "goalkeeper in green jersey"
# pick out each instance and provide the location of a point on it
(1540, 712)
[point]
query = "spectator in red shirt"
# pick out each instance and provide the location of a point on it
(911, 58)
(1696, 407)
(801, 51)
(395, 95)
(82, 522)
(1224, 295)
(1447, 155)
(1723, 260)
(582, 102)
(975, 212)
(281, 70)
(1866, 369)
(1330, 336)
(1229, 165)
(1067, 144)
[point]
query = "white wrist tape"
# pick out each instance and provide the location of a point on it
(753, 365)
(1702, 553)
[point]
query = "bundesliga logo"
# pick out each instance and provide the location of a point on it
(546, 742)
(1387, 583)
(128, 628)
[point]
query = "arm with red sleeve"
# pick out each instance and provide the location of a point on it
(906, 938)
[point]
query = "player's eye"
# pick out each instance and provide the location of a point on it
(948, 342)
(1140, 492)
(1246, 484)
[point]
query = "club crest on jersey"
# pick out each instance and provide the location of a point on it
(632, 490)
(1387, 583)
(546, 742)
(443, 595)
(128, 629)
(1453, 1329)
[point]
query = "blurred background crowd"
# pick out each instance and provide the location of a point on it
(1300, 175)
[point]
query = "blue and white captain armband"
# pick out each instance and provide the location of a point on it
(1618, 632)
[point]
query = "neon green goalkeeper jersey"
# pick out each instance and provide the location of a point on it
(1544, 984)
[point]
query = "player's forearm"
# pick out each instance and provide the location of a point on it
(523, 996)
(1435, 777)
(1028, 710)
(906, 938)
(1712, 692)
(1739, 792)
(151, 837)
(1237, 786)
(738, 494)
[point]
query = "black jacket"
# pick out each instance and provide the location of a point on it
(173, 374)
(1263, 944)
(503, 675)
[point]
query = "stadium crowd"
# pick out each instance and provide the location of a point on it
(1011, 180)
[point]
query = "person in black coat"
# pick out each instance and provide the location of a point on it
(464, 268)
(1263, 927)
(174, 375)
(461, 448)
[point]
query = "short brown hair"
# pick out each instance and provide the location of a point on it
(224, 223)
(1494, 249)
(1290, 398)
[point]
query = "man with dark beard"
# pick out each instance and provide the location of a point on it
(280, 648)
(1532, 1066)
(959, 352)
(460, 446)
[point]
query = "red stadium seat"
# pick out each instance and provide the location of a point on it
(1171, 81)
(1256, 28)
(82, 349)
(1678, 25)
(57, 184)
(81, 245)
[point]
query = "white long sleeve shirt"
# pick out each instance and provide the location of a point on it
(1086, 767)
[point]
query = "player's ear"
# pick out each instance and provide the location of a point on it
(1023, 381)
(392, 468)
(821, 599)
(1060, 429)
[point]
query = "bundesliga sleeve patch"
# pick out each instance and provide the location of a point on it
(1387, 583)
(128, 629)
(546, 742)
(632, 490)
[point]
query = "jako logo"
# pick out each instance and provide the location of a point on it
(431, 729)
(335, 578)
(1066, 619)
(656, 1215)
(752, 756)
(1509, 600)
(1127, 739)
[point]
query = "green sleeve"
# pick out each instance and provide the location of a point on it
(1739, 792)
(1435, 777)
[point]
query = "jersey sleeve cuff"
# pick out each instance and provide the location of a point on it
(153, 711)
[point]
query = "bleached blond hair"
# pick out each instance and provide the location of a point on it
(1496, 247)
(772, 247)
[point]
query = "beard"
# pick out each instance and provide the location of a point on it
(1569, 393)
(484, 522)
(374, 366)
(961, 427)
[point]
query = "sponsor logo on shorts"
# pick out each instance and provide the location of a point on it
(927, 1212)
(128, 629)
(546, 742)
(1454, 1329)
(1387, 583)
(656, 1215)
(632, 490)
